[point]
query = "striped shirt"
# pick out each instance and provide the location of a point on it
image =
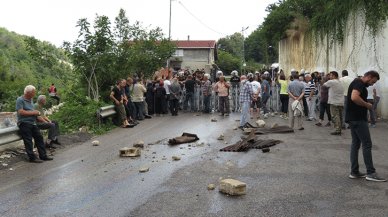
(308, 88)
(206, 88)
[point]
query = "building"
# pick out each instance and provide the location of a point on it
(193, 55)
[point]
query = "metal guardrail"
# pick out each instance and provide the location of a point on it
(106, 111)
(8, 135)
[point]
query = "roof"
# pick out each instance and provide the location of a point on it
(196, 44)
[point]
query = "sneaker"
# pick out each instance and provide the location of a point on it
(328, 124)
(373, 125)
(373, 177)
(336, 133)
(47, 158)
(35, 160)
(357, 175)
(319, 124)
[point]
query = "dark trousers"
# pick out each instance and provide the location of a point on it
(324, 106)
(130, 109)
(174, 106)
(160, 104)
(206, 103)
(305, 107)
(284, 98)
(29, 131)
(53, 129)
(360, 135)
(189, 97)
(139, 110)
(224, 104)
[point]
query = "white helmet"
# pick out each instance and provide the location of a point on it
(234, 73)
(219, 73)
(249, 75)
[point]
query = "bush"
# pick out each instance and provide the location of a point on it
(79, 113)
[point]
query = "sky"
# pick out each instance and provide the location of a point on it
(55, 21)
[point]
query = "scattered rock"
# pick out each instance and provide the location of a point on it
(226, 142)
(214, 120)
(260, 123)
(272, 114)
(144, 169)
(265, 150)
(84, 129)
(11, 169)
(176, 158)
(236, 128)
(129, 152)
(221, 137)
(164, 158)
(139, 144)
(274, 125)
(232, 187)
(211, 187)
(96, 143)
(5, 156)
(5, 165)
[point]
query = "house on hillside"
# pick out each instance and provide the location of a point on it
(192, 55)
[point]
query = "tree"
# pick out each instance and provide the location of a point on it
(228, 62)
(104, 54)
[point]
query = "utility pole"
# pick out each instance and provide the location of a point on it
(169, 24)
(243, 48)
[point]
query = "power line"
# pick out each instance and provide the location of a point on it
(200, 21)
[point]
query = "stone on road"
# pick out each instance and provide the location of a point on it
(306, 175)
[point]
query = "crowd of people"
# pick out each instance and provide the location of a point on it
(346, 102)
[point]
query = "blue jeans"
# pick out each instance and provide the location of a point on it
(244, 113)
(264, 99)
(360, 135)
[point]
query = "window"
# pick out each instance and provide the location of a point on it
(178, 53)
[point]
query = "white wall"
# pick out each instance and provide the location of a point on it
(359, 53)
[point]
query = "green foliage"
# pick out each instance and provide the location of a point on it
(80, 112)
(25, 60)
(232, 44)
(228, 62)
(324, 17)
(103, 54)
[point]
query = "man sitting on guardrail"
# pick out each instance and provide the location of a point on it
(44, 123)
(27, 118)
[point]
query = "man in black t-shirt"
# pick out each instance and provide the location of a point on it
(356, 117)
(189, 86)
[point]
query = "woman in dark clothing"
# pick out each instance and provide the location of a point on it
(160, 98)
(150, 98)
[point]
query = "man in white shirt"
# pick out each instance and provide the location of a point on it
(345, 81)
(374, 99)
(336, 101)
(256, 89)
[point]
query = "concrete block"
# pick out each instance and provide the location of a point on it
(139, 144)
(129, 152)
(232, 187)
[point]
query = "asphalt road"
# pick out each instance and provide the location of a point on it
(306, 175)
